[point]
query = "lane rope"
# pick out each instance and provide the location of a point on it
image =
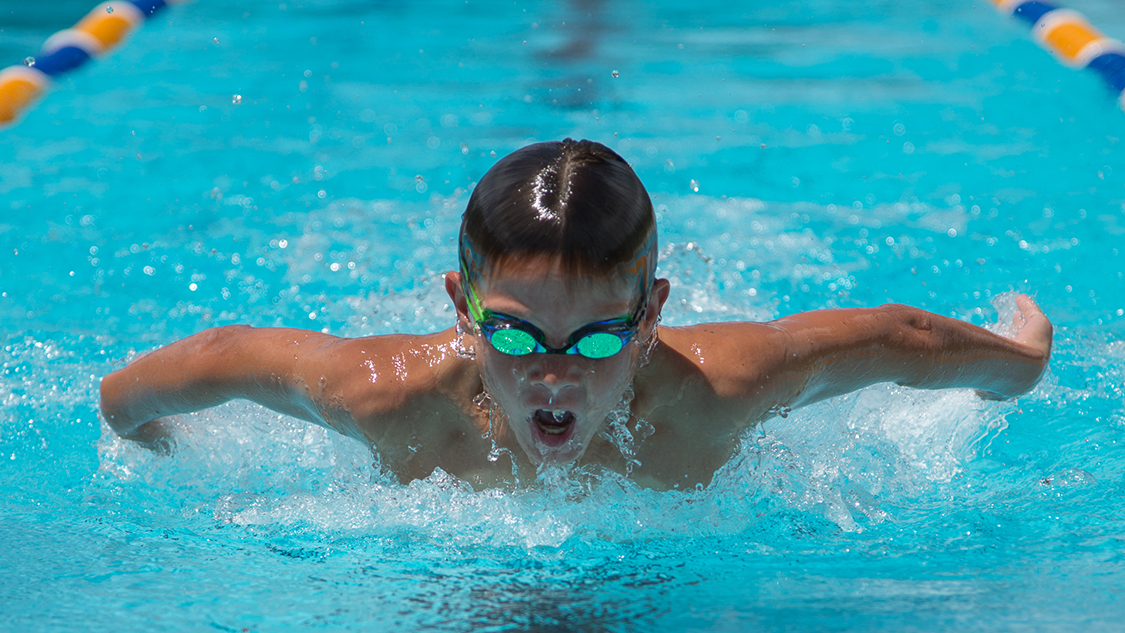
(1070, 37)
(103, 29)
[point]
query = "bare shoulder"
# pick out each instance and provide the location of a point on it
(718, 375)
(380, 376)
(727, 357)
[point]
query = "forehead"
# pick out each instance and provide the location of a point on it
(545, 276)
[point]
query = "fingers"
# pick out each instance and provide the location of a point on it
(1027, 305)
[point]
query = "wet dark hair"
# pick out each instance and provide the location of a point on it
(577, 200)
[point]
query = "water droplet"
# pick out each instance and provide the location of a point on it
(615, 74)
(694, 184)
(236, 99)
(109, 9)
(28, 61)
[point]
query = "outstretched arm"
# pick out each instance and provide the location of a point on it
(272, 367)
(831, 352)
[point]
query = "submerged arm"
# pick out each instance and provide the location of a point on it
(268, 366)
(831, 352)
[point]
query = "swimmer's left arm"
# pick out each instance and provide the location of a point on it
(816, 355)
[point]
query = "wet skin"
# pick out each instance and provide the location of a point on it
(411, 397)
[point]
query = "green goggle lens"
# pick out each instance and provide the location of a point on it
(599, 345)
(513, 342)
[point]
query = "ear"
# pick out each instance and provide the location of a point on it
(660, 290)
(456, 293)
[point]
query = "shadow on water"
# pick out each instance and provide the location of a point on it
(578, 60)
(543, 600)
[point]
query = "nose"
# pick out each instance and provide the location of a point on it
(556, 372)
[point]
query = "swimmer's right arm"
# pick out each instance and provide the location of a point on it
(259, 364)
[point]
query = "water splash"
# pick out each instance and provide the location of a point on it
(496, 418)
(616, 430)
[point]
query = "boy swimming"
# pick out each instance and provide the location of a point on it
(557, 355)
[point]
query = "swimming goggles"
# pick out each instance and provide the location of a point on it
(516, 337)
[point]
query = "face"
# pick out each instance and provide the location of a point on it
(555, 403)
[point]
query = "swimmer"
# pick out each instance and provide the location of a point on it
(558, 342)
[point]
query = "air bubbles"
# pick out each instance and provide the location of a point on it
(908, 148)
(900, 129)
(216, 40)
(109, 9)
(419, 178)
(321, 194)
(236, 99)
(615, 74)
(492, 153)
(420, 184)
(29, 61)
(694, 185)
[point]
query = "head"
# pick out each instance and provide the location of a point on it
(557, 290)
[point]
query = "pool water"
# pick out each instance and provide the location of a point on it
(801, 155)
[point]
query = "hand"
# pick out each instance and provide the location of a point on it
(155, 435)
(1032, 327)
(1032, 330)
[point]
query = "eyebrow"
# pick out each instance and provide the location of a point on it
(623, 317)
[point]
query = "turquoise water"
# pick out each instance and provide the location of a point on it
(802, 155)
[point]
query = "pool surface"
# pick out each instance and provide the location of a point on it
(801, 155)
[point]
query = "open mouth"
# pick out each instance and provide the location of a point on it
(555, 426)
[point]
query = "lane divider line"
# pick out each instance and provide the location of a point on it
(1070, 37)
(103, 29)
